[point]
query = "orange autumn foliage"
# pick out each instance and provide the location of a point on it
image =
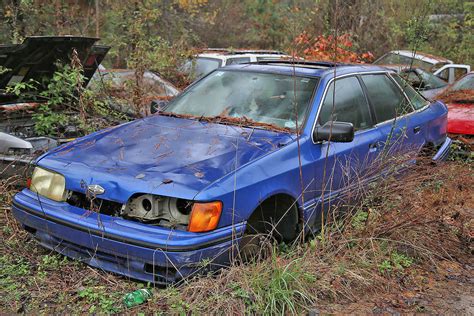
(329, 48)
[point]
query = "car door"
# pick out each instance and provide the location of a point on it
(341, 168)
(401, 130)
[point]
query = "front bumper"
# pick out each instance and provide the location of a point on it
(139, 251)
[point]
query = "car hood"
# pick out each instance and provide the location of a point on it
(160, 155)
(36, 58)
(461, 118)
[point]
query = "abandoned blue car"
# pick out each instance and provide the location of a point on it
(258, 148)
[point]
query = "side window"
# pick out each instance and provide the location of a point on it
(444, 74)
(459, 72)
(385, 96)
(346, 102)
(238, 60)
(415, 98)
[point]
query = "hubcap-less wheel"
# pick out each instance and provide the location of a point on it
(254, 248)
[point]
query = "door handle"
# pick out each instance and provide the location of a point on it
(416, 129)
(373, 146)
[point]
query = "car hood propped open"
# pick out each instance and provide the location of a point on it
(36, 58)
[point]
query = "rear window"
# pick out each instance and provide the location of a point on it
(386, 98)
(393, 59)
(416, 99)
(237, 60)
(396, 59)
(200, 66)
(466, 83)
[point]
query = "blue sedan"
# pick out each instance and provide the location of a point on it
(250, 149)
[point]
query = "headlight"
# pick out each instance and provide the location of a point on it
(48, 184)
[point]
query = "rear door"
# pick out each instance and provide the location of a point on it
(402, 132)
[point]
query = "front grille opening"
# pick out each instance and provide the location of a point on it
(95, 204)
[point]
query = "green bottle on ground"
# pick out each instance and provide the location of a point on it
(137, 297)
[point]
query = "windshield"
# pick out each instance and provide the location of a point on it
(151, 84)
(396, 59)
(466, 83)
(257, 97)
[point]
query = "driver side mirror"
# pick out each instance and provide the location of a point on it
(335, 131)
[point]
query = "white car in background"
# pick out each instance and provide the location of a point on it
(441, 67)
(213, 58)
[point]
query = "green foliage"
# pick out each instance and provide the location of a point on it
(3, 70)
(11, 271)
(461, 152)
(62, 93)
(21, 87)
(100, 300)
(396, 263)
(166, 29)
(282, 290)
(359, 219)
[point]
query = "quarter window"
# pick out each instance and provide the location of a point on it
(345, 102)
(415, 98)
(386, 98)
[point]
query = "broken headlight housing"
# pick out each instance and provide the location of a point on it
(48, 184)
(174, 212)
(159, 210)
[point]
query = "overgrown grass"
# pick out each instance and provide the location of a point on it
(395, 239)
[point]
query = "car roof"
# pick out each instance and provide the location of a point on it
(401, 67)
(223, 56)
(432, 59)
(307, 68)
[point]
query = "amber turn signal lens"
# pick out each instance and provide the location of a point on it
(205, 216)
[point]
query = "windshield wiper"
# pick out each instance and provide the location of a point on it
(237, 121)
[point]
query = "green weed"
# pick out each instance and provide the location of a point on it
(100, 300)
(397, 263)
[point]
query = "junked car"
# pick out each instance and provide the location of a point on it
(441, 67)
(213, 58)
(249, 149)
(427, 84)
(36, 59)
(118, 86)
(459, 97)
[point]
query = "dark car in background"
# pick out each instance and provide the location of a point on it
(439, 66)
(35, 60)
(427, 84)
